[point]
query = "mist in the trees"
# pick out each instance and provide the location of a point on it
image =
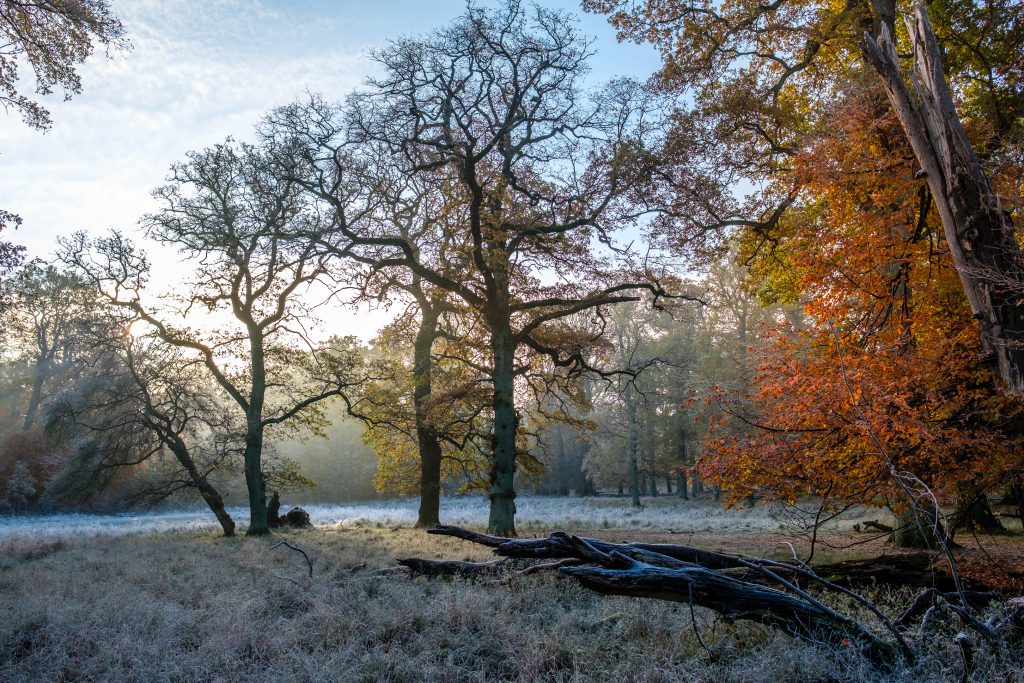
(722, 336)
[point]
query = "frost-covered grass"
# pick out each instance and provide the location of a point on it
(192, 606)
(664, 513)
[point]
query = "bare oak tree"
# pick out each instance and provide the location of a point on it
(252, 240)
(493, 110)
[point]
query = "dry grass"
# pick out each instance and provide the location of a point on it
(191, 606)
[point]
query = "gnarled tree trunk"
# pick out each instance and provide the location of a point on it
(979, 233)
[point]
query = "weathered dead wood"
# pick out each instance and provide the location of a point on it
(979, 234)
(915, 570)
(559, 545)
(758, 589)
(297, 518)
(874, 524)
(966, 645)
(641, 571)
(1009, 621)
(549, 566)
(467, 535)
(735, 600)
(929, 597)
(437, 568)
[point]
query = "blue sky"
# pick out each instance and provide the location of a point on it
(201, 70)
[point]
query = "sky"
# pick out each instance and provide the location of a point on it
(199, 71)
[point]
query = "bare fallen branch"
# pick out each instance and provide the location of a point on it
(298, 550)
(928, 597)
(548, 566)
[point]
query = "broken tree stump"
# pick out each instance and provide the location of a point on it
(297, 518)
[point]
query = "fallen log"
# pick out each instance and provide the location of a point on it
(757, 589)
(640, 570)
(916, 570)
(557, 546)
(435, 568)
(735, 600)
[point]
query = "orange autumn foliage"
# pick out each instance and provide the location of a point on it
(889, 369)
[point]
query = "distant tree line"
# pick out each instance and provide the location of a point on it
(760, 272)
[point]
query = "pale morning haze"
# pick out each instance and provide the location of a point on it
(200, 71)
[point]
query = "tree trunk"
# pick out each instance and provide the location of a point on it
(429, 445)
(735, 600)
(631, 446)
(668, 485)
(684, 460)
(258, 525)
(653, 487)
(503, 456)
(216, 504)
(209, 494)
(974, 514)
(584, 485)
(918, 529)
(980, 235)
(1018, 494)
(36, 397)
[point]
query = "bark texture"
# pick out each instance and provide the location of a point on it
(429, 445)
(979, 233)
(779, 600)
(503, 442)
(210, 495)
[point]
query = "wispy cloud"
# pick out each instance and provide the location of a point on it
(200, 70)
